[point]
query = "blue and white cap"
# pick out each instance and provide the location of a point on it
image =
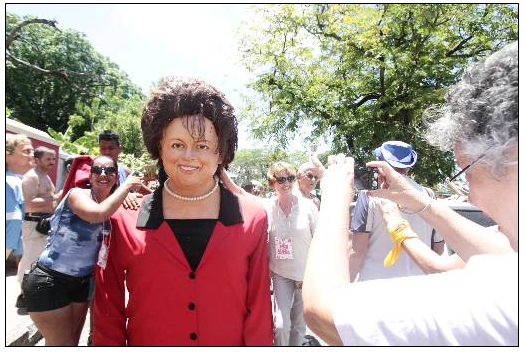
(397, 154)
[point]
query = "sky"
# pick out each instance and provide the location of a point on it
(151, 41)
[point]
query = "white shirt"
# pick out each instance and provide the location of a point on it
(477, 305)
(293, 232)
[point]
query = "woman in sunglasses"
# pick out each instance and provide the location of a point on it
(194, 257)
(292, 221)
(57, 288)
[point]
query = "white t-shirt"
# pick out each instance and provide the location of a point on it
(380, 244)
(290, 236)
(477, 305)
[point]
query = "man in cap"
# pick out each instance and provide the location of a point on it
(371, 240)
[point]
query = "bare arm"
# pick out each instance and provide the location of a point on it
(428, 260)
(431, 261)
(358, 251)
(465, 236)
(82, 205)
(327, 264)
(318, 165)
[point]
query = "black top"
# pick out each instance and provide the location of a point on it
(193, 236)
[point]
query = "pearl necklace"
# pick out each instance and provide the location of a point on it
(191, 199)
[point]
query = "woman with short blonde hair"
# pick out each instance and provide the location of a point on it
(292, 220)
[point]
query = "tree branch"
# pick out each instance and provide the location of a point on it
(14, 33)
(460, 46)
(62, 73)
(471, 54)
(366, 98)
(385, 7)
(321, 29)
(402, 39)
(349, 139)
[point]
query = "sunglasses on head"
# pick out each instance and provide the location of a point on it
(281, 180)
(312, 176)
(108, 170)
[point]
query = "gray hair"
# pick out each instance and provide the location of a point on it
(481, 112)
(305, 167)
(13, 140)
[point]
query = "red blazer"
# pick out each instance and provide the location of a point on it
(225, 302)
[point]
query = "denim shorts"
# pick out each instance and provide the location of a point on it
(45, 289)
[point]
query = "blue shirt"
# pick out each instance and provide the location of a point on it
(73, 243)
(14, 212)
(360, 214)
(121, 174)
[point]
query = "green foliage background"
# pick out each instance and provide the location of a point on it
(357, 74)
(46, 101)
(74, 111)
(364, 74)
(253, 164)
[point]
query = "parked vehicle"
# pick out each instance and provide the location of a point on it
(472, 213)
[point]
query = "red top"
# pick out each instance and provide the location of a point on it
(225, 302)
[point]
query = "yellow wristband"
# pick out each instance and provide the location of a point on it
(397, 226)
(398, 233)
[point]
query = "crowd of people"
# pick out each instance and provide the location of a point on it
(201, 261)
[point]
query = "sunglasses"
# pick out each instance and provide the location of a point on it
(312, 176)
(281, 180)
(108, 170)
